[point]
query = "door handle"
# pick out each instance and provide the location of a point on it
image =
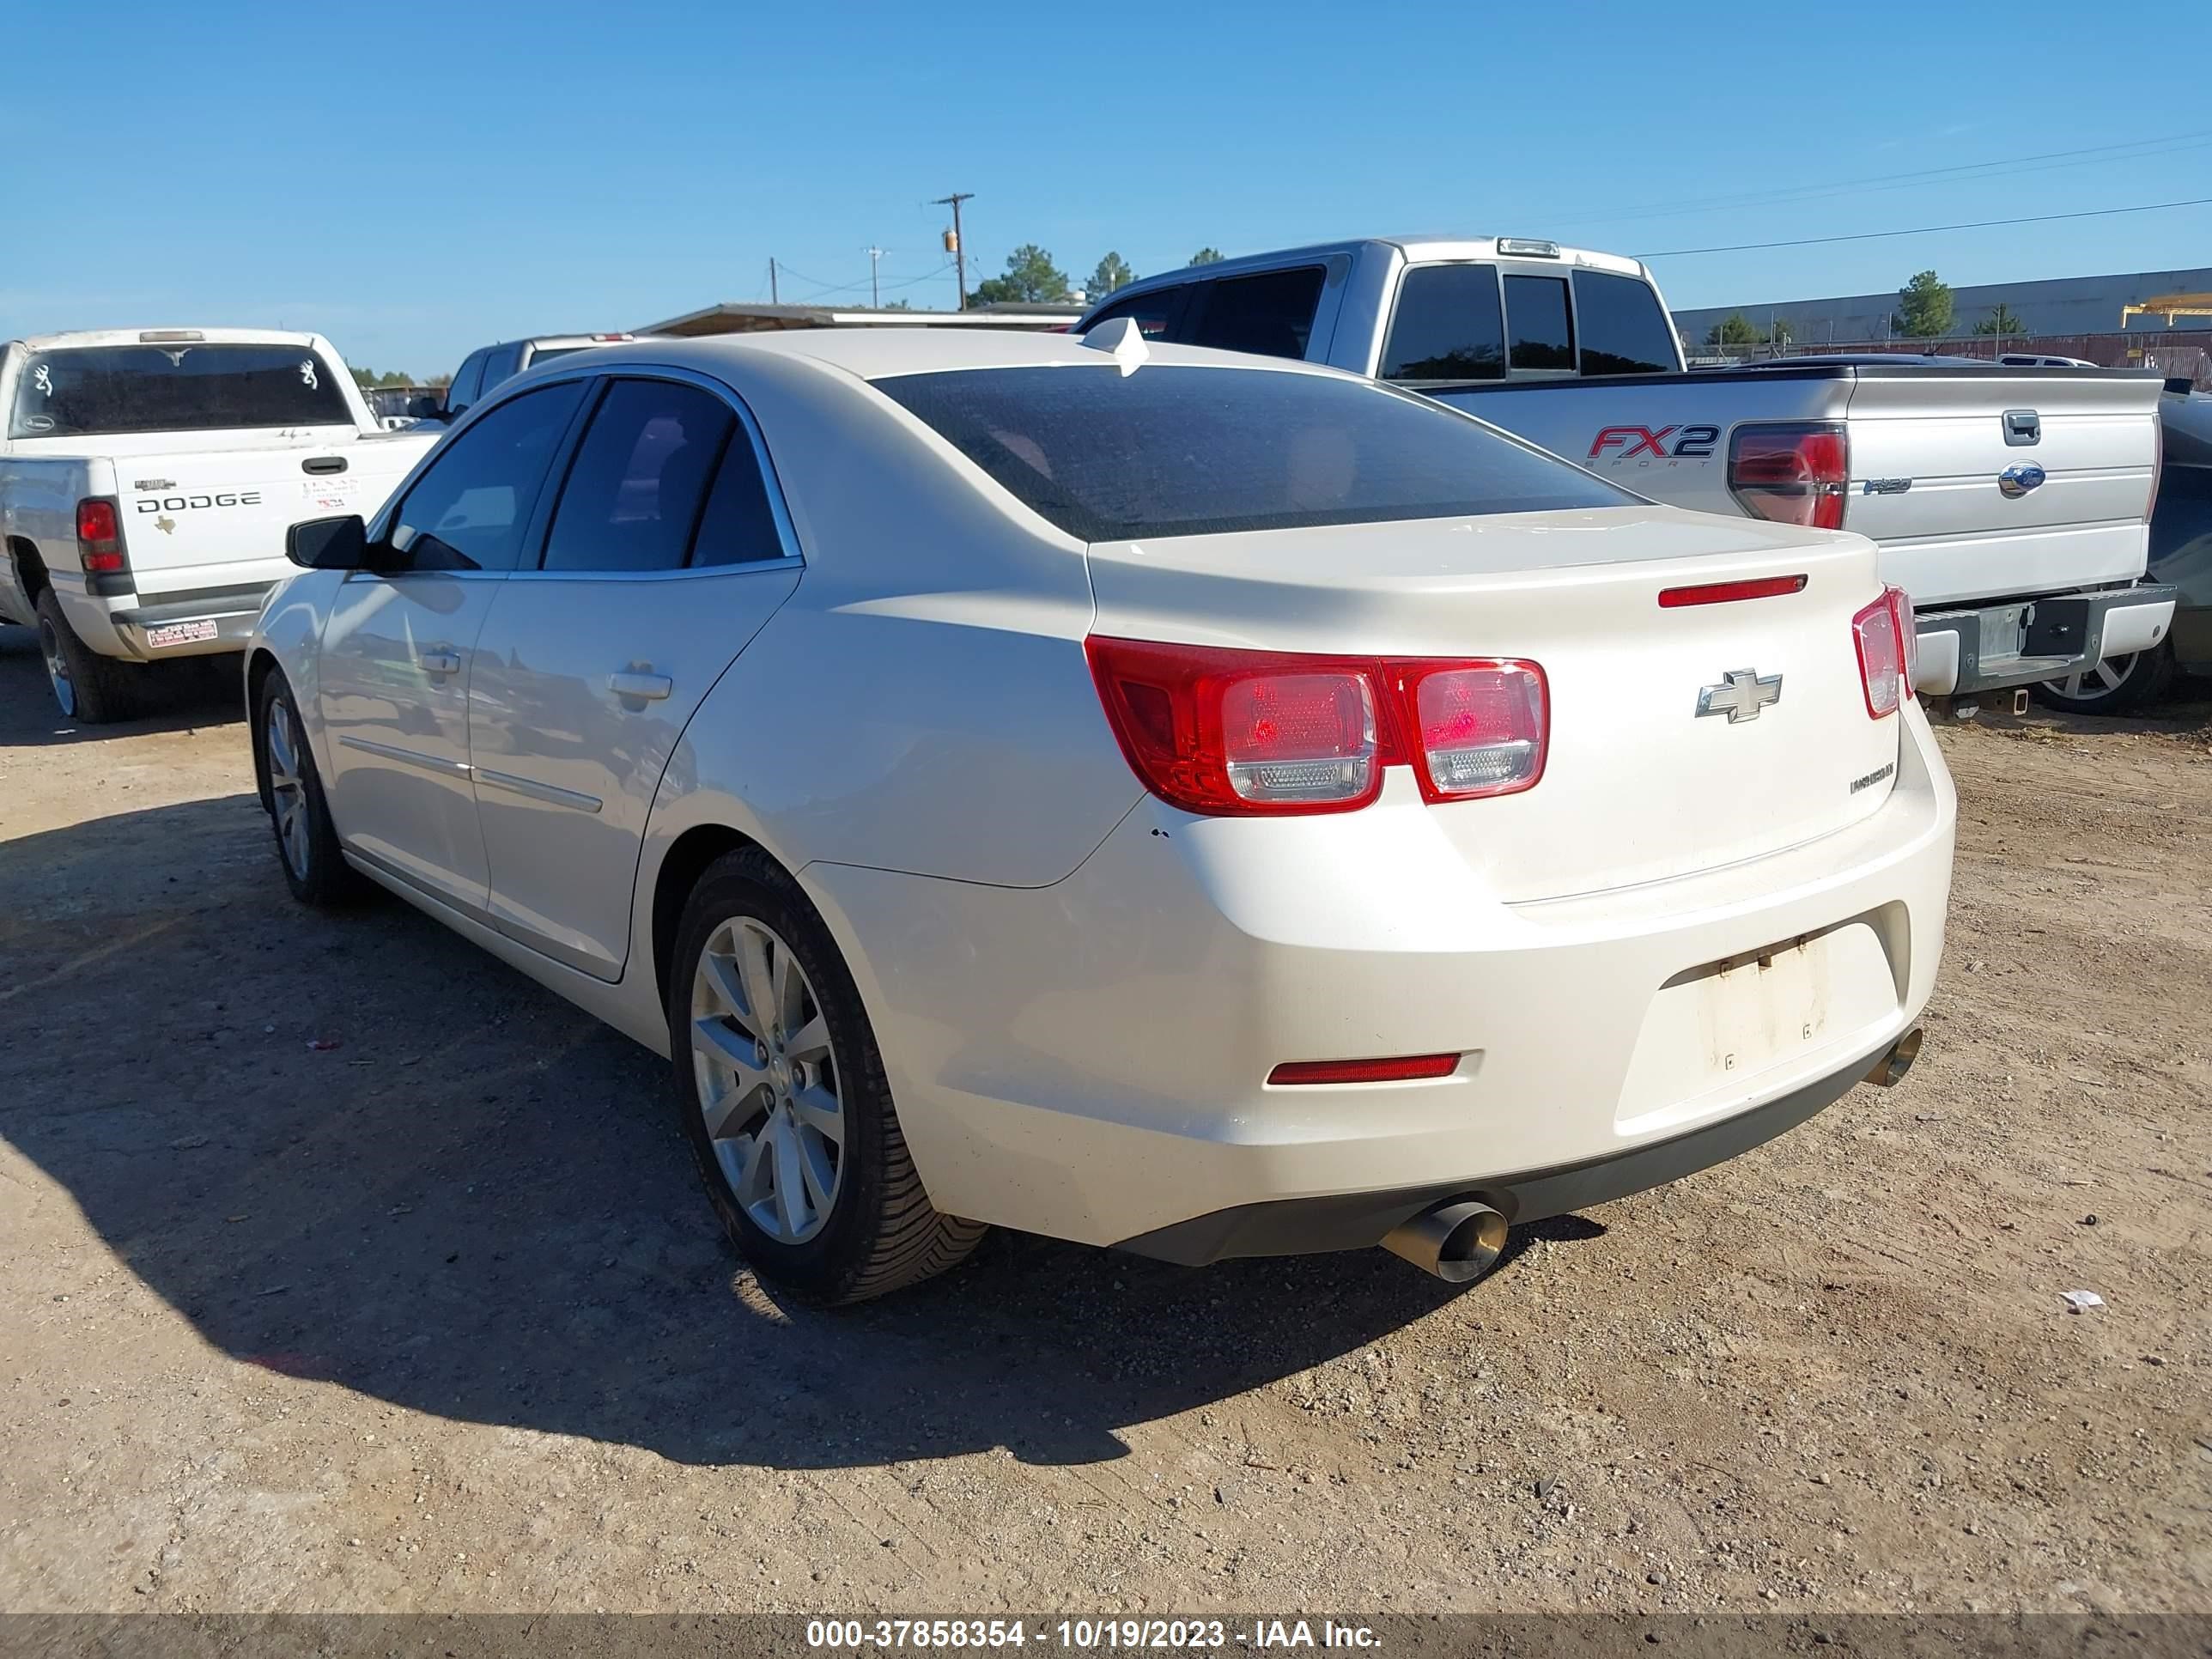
(634, 683)
(439, 662)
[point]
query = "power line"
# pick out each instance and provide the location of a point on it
(1927, 230)
(1958, 173)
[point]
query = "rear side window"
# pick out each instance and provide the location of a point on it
(1447, 327)
(1271, 315)
(501, 363)
(84, 392)
(1177, 451)
(1153, 311)
(1624, 330)
(640, 476)
(1536, 315)
(470, 508)
(738, 526)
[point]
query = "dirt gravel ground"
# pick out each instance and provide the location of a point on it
(342, 1268)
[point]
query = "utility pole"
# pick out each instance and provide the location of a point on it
(953, 243)
(771, 282)
(875, 290)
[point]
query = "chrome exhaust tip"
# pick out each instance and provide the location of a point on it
(1456, 1241)
(2020, 701)
(1889, 1071)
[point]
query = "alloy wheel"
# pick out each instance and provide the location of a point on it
(2096, 681)
(767, 1080)
(288, 795)
(57, 673)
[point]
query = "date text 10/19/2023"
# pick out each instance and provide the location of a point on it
(1084, 1635)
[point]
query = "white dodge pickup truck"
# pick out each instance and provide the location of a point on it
(2013, 504)
(147, 479)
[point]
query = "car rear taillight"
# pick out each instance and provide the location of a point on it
(1792, 473)
(1240, 733)
(1889, 651)
(99, 536)
(1482, 726)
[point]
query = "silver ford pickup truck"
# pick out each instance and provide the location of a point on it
(2012, 503)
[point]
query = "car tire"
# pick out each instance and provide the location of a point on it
(307, 849)
(88, 688)
(2119, 685)
(787, 1112)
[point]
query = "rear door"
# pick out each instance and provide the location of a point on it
(400, 645)
(1979, 483)
(667, 551)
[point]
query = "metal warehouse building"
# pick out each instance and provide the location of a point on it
(2065, 305)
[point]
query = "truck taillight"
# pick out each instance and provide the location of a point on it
(1889, 651)
(1790, 472)
(1239, 733)
(99, 536)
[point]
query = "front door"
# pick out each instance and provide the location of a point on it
(664, 558)
(400, 646)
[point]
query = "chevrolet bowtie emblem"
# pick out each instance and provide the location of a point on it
(1740, 695)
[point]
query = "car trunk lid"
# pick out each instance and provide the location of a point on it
(1638, 786)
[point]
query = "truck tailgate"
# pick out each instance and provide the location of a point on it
(1979, 483)
(199, 519)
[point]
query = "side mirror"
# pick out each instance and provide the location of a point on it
(329, 544)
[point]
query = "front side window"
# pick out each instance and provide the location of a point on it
(1270, 315)
(1447, 327)
(1624, 329)
(87, 391)
(472, 507)
(467, 383)
(1536, 320)
(633, 495)
(1177, 451)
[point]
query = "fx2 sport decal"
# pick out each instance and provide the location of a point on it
(1666, 443)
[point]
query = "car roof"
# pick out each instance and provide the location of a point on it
(873, 353)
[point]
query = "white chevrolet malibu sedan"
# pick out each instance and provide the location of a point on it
(1156, 798)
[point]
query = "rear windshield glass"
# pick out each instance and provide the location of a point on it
(85, 392)
(1624, 330)
(1177, 451)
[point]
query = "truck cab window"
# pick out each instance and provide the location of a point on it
(1447, 327)
(1624, 330)
(1271, 314)
(1536, 313)
(1154, 311)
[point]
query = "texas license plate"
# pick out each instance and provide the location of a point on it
(186, 632)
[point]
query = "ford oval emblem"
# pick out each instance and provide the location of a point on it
(2017, 481)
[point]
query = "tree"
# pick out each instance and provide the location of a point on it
(369, 379)
(1925, 307)
(1735, 329)
(898, 304)
(1112, 273)
(2002, 320)
(1207, 256)
(1031, 278)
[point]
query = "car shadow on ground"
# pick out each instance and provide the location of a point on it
(177, 696)
(356, 1148)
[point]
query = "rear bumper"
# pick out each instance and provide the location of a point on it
(1089, 1060)
(2026, 641)
(204, 622)
(1298, 1226)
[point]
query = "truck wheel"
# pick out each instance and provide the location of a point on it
(307, 841)
(2118, 685)
(90, 689)
(784, 1100)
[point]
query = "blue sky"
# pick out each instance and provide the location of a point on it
(416, 179)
